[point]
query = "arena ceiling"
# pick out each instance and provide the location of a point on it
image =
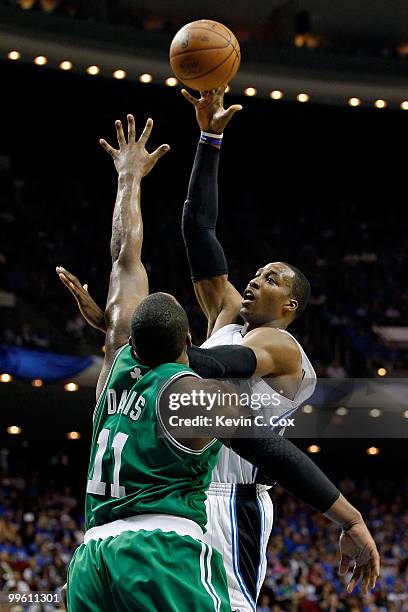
(359, 18)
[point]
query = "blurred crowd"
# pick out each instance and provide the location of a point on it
(303, 553)
(41, 523)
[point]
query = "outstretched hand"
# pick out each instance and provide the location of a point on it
(358, 547)
(210, 112)
(132, 157)
(89, 309)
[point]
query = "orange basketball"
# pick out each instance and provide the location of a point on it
(204, 55)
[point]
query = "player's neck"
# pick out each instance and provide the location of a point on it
(278, 324)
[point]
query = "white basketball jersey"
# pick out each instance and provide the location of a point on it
(231, 467)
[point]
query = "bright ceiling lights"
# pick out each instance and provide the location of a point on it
(71, 387)
(171, 82)
(93, 70)
(73, 435)
(303, 97)
(145, 78)
(119, 74)
(276, 94)
(66, 65)
(14, 430)
(373, 450)
(380, 104)
(40, 60)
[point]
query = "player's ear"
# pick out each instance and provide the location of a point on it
(292, 305)
(189, 340)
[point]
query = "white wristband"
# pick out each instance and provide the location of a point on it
(211, 135)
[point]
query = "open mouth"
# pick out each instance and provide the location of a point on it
(249, 296)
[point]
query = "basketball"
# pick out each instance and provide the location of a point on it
(204, 55)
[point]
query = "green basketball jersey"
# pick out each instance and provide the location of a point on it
(133, 471)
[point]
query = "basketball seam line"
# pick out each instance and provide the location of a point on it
(199, 76)
(199, 51)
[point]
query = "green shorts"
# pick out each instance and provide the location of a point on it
(147, 571)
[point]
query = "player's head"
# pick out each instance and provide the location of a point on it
(160, 330)
(278, 292)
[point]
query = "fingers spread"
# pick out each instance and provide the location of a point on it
(112, 152)
(344, 565)
(232, 110)
(159, 152)
(355, 578)
(119, 133)
(189, 97)
(131, 128)
(146, 132)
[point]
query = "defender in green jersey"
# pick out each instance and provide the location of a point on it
(145, 499)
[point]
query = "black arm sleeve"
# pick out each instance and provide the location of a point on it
(297, 473)
(205, 254)
(226, 361)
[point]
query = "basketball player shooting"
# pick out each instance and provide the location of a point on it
(238, 501)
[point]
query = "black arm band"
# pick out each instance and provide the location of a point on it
(205, 254)
(296, 472)
(229, 361)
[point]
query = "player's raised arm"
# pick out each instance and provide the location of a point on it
(128, 283)
(218, 299)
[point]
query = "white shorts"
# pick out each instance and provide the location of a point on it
(239, 524)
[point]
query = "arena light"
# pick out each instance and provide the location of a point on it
(341, 411)
(6, 378)
(373, 450)
(146, 78)
(375, 413)
(40, 60)
(250, 91)
(119, 74)
(307, 409)
(14, 430)
(93, 70)
(71, 387)
(276, 94)
(313, 448)
(380, 103)
(354, 102)
(382, 371)
(14, 55)
(37, 382)
(303, 97)
(404, 105)
(171, 82)
(66, 65)
(73, 435)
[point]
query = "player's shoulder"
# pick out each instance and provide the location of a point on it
(281, 347)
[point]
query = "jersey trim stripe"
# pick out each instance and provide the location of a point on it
(209, 577)
(203, 555)
(261, 545)
(234, 532)
(168, 436)
(120, 351)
